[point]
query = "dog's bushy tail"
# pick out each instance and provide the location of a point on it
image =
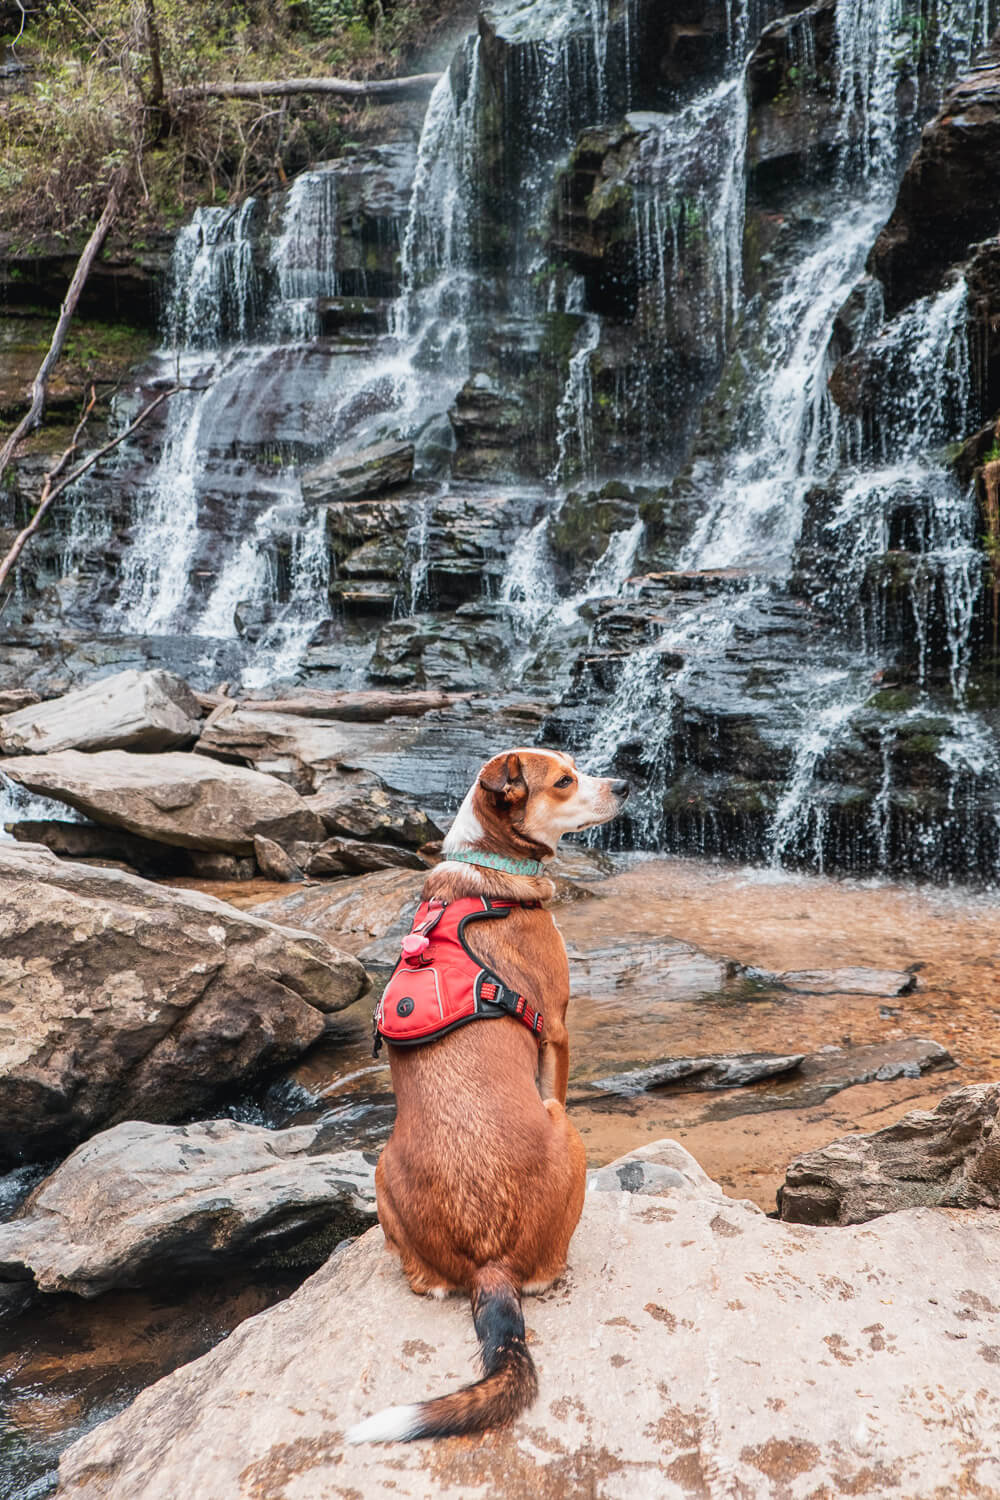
(509, 1382)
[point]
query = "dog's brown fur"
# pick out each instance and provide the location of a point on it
(482, 1183)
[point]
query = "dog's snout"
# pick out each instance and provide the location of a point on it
(621, 789)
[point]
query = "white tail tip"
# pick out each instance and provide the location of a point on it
(393, 1425)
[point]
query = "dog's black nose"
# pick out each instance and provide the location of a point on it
(621, 789)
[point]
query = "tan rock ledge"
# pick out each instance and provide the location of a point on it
(695, 1348)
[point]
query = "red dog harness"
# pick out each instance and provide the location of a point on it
(439, 983)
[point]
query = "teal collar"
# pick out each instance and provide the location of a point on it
(496, 862)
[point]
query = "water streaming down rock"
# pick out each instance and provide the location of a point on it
(303, 256)
(614, 262)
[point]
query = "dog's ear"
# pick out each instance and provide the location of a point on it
(502, 776)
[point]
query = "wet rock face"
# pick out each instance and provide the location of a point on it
(791, 92)
(142, 1203)
(661, 1268)
(948, 1156)
(125, 999)
(949, 197)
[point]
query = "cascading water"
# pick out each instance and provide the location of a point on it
(688, 352)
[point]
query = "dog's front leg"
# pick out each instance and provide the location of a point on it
(553, 1062)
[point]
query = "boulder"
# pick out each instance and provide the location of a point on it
(692, 1338)
(949, 1156)
(356, 856)
(303, 752)
(949, 197)
(276, 863)
(369, 471)
(186, 800)
(359, 805)
(130, 711)
(141, 1203)
(123, 999)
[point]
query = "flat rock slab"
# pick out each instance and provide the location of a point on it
(883, 982)
(695, 1347)
(701, 1072)
(186, 800)
(949, 1156)
(826, 1072)
(143, 1202)
(368, 471)
(305, 752)
(129, 711)
(120, 998)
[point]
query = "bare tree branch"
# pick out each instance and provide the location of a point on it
(344, 88)
(54, 485)
(40, 385)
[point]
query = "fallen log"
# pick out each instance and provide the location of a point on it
(365, 706)
(374, 89)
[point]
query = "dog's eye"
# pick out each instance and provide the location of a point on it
(565, 781)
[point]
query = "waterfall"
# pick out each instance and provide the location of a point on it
(304, 256)
(573, 414)
(212, 284)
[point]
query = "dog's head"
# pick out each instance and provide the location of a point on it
(524, 800)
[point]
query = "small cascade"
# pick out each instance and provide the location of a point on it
(574, 428)
(528, 585)
(639, 712)
(420, 566)
(213, 293)
(798, 828)
(433, 311)
(907, 513)
(879, 46)
(154, 578)
(304, 256)
(786, 429)
(17, 805)
(303, 608)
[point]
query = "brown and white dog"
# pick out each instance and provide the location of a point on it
(482, 1183)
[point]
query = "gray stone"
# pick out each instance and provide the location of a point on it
(692, 1338)
(120, 998)
(186, 800)
(130, 711)
(304, 752)
(354, 476)
(830, 1070)
(948, 1156)
(339, 856)
(359, 805)
(141, 1202)
(701, 1073)
(887, 982)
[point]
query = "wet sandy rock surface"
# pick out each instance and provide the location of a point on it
(695, 1347)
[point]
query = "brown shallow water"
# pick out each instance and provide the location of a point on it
(655, 950)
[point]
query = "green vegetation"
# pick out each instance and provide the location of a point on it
(102, 96)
